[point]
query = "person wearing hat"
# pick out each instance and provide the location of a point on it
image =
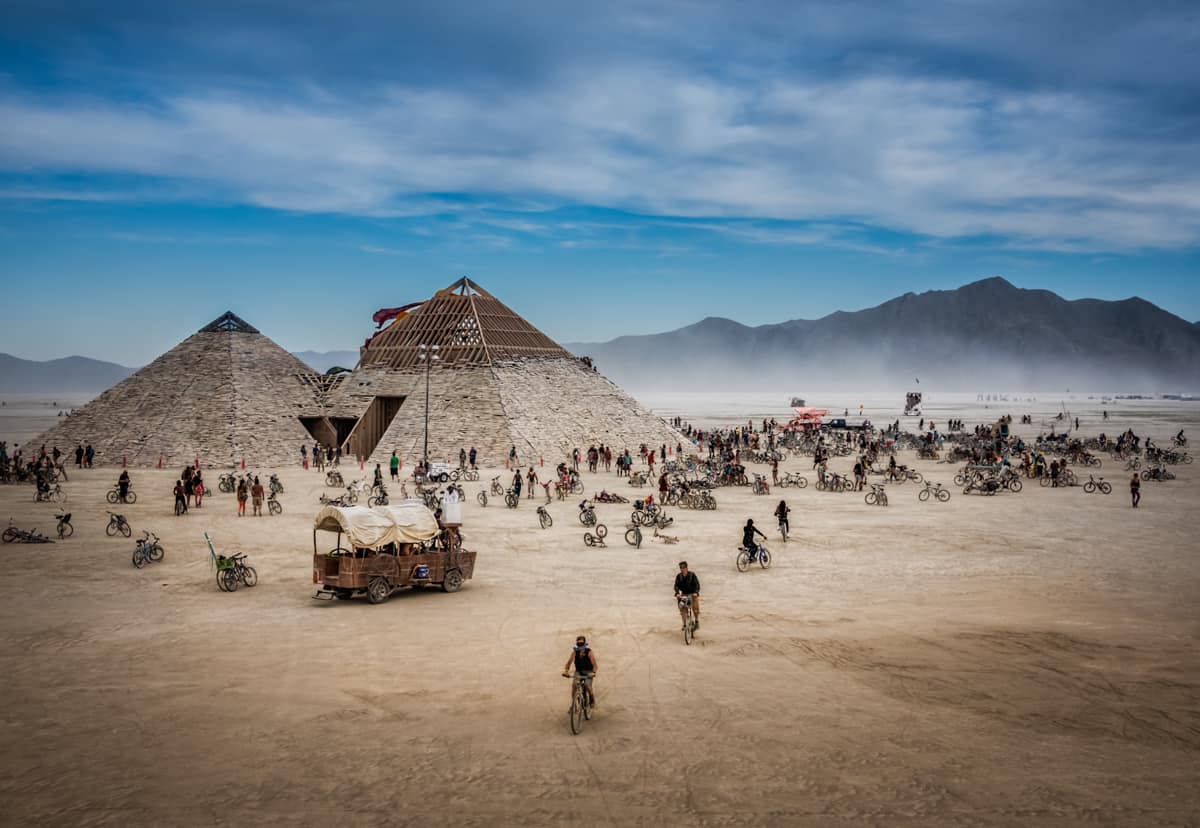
(687, 583)
(585, 666)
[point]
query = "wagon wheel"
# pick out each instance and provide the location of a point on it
(453, 581)
(378, 590)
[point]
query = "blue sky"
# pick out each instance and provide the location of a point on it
(621, 168)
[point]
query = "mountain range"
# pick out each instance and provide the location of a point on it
(983, 336)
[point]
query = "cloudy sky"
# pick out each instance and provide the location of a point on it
(604, 168)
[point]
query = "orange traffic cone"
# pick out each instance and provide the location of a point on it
(122, 461)
(243, 462)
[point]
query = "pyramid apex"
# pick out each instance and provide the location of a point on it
(229, 322)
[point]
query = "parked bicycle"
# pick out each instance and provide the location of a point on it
(877, 496)
(1094, 485)
(65, 529)
(225, 483)
(117, 523)
(379, 496)
(544, 518)
(55, 494)
(497, 489)
(934, 490)
(587, 514)
(273, 504)
(596, 539)
(147, 549)
(333, 479)
(482, 498)
(276, 485)
(233, 570)
(14, 534)
(633, 536)
(511, 499)
(793, 479)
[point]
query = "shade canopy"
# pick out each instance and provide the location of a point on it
(407, 522)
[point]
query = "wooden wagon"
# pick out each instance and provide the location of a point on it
(385, 548)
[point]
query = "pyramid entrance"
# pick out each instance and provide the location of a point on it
(329, 431)
(369, 429)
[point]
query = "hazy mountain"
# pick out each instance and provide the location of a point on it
(322, 361)
(66, 375)
(984, 336)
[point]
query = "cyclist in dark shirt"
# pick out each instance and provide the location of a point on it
(748, 533)
(585, 666)
(686, 583)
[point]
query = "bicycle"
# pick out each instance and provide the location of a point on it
(225, 483)
(935, 490)
(55, 495)
(511, 499)
(65, 529)
(14, 534)
(333, 479)
(497, 489)
(117, 523)
(147, 550)
(793, 479)
(380, 496)
(275, 485)
(581, 705)
(544, 517)
(273, 504)
(1094, 485)
(877, 496)
(482, 498)
(597, 539)
(233, 570)
(633, 536)
(688, 616)
(745, 557)
(587, 514)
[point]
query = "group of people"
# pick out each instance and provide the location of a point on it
(189, 489)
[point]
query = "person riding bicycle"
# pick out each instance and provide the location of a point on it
(781, 514)
(585, 666)
(1180, 439)
(748, 533)
(687, 583)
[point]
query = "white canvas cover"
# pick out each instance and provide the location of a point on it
(412, 522)
(363, 527)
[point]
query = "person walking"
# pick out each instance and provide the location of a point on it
(79, 455)
(1135, 489)
(256, 492)
(395, 466)
(531, 478)
(243, 494)
(198, 487)
(517, 483)
(180, 498)
(781, 514)
(89, 454)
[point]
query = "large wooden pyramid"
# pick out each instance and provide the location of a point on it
(224, 393)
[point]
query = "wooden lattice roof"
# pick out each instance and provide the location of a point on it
(469, 326)
(229, 322)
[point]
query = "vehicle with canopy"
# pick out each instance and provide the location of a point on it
(385, 548)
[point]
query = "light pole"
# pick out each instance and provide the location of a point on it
(427, 354)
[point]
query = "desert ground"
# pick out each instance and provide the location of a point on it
(1026, 658)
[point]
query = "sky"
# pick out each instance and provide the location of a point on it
(604, 169)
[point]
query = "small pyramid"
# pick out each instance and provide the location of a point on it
(229, 322)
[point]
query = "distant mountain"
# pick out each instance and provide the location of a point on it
(982, 336)
(67, 375)
(322, 361)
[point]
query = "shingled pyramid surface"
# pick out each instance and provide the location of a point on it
(498, 382)
(224, 393)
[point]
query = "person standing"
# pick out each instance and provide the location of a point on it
(462, 457)
(304, 455)
(180, 498)
(512, 455)
(1135, 489)
(517, 484)
(471, 455)
(79, 455)
(256, 492)
(243, 493)
(395, 466)
(531, 479)
(198, 487)
(89, 455)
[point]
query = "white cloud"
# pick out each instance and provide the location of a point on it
(944, 159)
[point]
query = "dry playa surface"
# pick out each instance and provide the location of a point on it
(1026, 658)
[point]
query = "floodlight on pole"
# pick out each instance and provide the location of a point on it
(427, 354)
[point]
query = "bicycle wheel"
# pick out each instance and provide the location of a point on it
(10, 535)
(510, 500)
(916, 477)
(1106, 488)
(943, 495)
(802, 483)
(139, 558)
(229, 578)
(633, 536)
(111, 529)
(764, 558)
(65, 530)
(482, 498)
(742, 561)
(601, 530)
(1015, 485)
(545, 520)
(589, 539)
(249, 576)
(1089, 487)
(870, 498)
(497, 489)
(923, 495)
(111, 497)
(576, 711)
(1045, 481)
(687, 628)
(274, 508)
(156, 552)
(131, 498)
(125, 528)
